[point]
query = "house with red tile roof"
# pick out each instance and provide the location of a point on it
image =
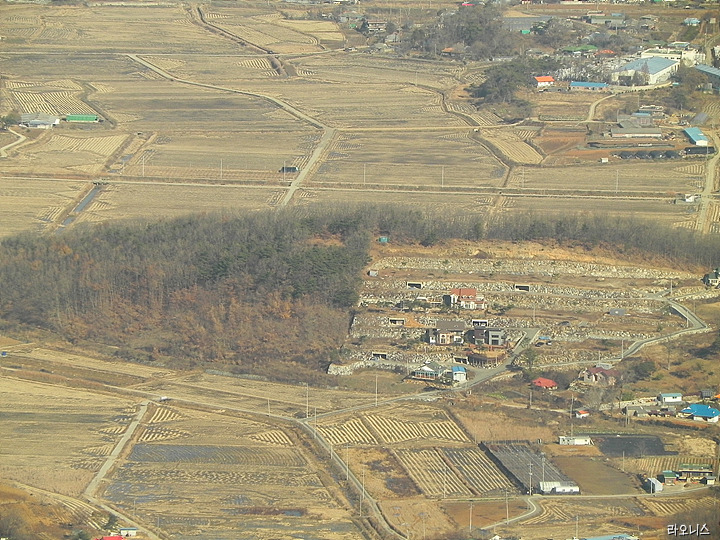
(546, 384)
(544, 80)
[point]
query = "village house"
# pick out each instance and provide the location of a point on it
(672, 398)
(430, 371)
(459, 374)
(374, 25)
(492, 337)
(698, 411)
(447, 333)
(544, 81)
(465, 298)
(545, 384)
(712, 279)
(599, 376)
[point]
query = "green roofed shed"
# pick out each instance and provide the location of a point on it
(81, 118)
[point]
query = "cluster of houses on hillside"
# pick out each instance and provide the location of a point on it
(672, 404)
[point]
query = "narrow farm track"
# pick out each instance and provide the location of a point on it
(94, 485)
(21, 139)
(704, 220)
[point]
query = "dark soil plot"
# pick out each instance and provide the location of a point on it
(631, 446)
(161, 453)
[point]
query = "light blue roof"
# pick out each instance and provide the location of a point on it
(695, 134)
(585, 84)
(708, 70)
(655, 64)
(671, 394)
(458, 369)
(704, 411)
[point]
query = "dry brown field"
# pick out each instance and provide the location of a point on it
(658, 178)
(484, 513)
(595, 476)
(33, 204)
(554, 140)
(60, 434)
(402, 121)
(106, 29)
(421, 160)
(140, 201)
(660, 210)
(564, 105)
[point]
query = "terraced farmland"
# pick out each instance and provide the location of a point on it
(478, 471)
(394, 430)
(430, 472)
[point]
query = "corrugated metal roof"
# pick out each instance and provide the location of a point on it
(695, 134)
(651, 65)
(585, 84)
(704, 411)
(708, 70)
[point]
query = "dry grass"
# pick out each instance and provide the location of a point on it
(38, 415)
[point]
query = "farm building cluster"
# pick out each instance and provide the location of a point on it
(685, 473)
(529, 469)
(673, 404)
(41, 120)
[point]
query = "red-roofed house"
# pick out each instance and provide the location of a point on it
(547, 384)
(465, 298)
(544, 80)
(116, 537)
(582, 413)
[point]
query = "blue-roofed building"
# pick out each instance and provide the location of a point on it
(712, 73)
(696, 136)
(459, 374)
(655, 69)
(670, 398)
(585, 86)
(698, 411)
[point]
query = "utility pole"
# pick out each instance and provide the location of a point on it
(471, 513)
(530, 486)
(617, 181)
(442, 177)
(307, 401)
(507, 508)
(376, 390)
(347, 462)
(362, 495)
